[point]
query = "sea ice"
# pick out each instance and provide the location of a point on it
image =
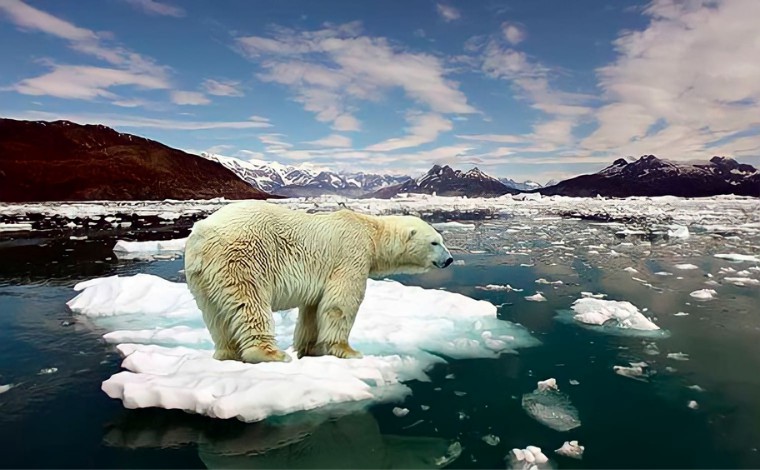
(704, 294)
(537, 297)
(611, 315)
(571, 449)
(402, 331)
(686, 266)
(742, 281)
(635, 371)
(147, 250)
(499, 287)
(400, 412)
(738, 257)
(550, 407)
(491, 440)
(529, 458)
(453, 225)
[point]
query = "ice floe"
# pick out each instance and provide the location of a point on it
(571, 449)
(537, 297)
(551, 407)
(149, 249)
(704, 294)
(402, 330)
(738, 257)
(686, 266)
(610, 316)
(742, 281)
(529, 458)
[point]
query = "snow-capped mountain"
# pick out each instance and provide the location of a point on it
(527, 185)
(652, 176)
(290, 180)
(445, 181)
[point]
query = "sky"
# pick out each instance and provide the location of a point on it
(534, 90)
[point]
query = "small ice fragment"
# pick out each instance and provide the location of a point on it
(518, 454)
(548, 384)
(536, 298)
(663, 273)
(400, 412)
(704, 294)
(679, 356)
(571, 449)
(678, 231)
(424, 407)
(544, 281)
(671, 369)
(686, 266)
(693, 404)
(48, 370)
(5, 388)
(499, 287)
(593, 296)
(651, 349)
(738, 257)
(450, 376)
(491, 440)
(529, 457)
(453, 453)
(551, 408)
(460, 394)
(681, 314)
(630, 269)
(696, 388)
(573, 382)
(462, 415)
(635, 372)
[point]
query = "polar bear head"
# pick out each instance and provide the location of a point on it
(410, 246)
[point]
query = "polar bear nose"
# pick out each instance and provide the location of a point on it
(448, 261)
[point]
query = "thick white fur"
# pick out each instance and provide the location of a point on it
(251, 258)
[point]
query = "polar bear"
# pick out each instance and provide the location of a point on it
(251, 258)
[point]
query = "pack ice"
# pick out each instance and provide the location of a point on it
(401, 330)
(611, 316)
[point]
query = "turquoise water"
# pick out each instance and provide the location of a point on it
(63, 419)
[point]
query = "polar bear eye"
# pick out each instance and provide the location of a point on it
(434, 243)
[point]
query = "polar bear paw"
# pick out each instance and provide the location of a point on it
(257, 354)
(341, 350)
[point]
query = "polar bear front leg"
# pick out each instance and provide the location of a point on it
(335, 317)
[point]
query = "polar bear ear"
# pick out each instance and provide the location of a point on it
(412, 233)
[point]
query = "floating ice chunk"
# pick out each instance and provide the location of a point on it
(453, 453)
(743, 281)
(571, 449)
(5, 388)
(47, 371)
(593, 296)
(402, 330)
(529, 458)
(537, 297)
(635, 371)
(499, 287)
(18, 227)
(696, 388)
(147, 250)
(491, 440)
(704, 294)
(400, 412)
(573, 382)
(630, 269)
(544, 281)
(453, 226)
(686, 267)
(681, 314)
(693, 404)
(738, 257)
(548, 384)
(615, 314)
(678, 356)
(678, 231)
(551, 408)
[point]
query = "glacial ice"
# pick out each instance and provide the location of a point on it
(402, 330)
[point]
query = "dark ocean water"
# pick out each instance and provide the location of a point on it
(64, 420)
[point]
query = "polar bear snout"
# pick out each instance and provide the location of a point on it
(443, 258)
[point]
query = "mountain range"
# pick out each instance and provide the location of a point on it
(64, 161)
(652, 176)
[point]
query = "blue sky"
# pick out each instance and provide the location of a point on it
(528, 90)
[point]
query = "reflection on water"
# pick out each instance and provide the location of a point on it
(312, 440)
(65, 420)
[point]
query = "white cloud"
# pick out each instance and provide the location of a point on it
(423, 129)
(153, 7)
(86, 83)
(222, 87)
(332, 69)
(332, 141)
(122, 120)
(498, 138)
(513, 33)
(447, 12)
(132, 69)
(688, 79)
(189, 98)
